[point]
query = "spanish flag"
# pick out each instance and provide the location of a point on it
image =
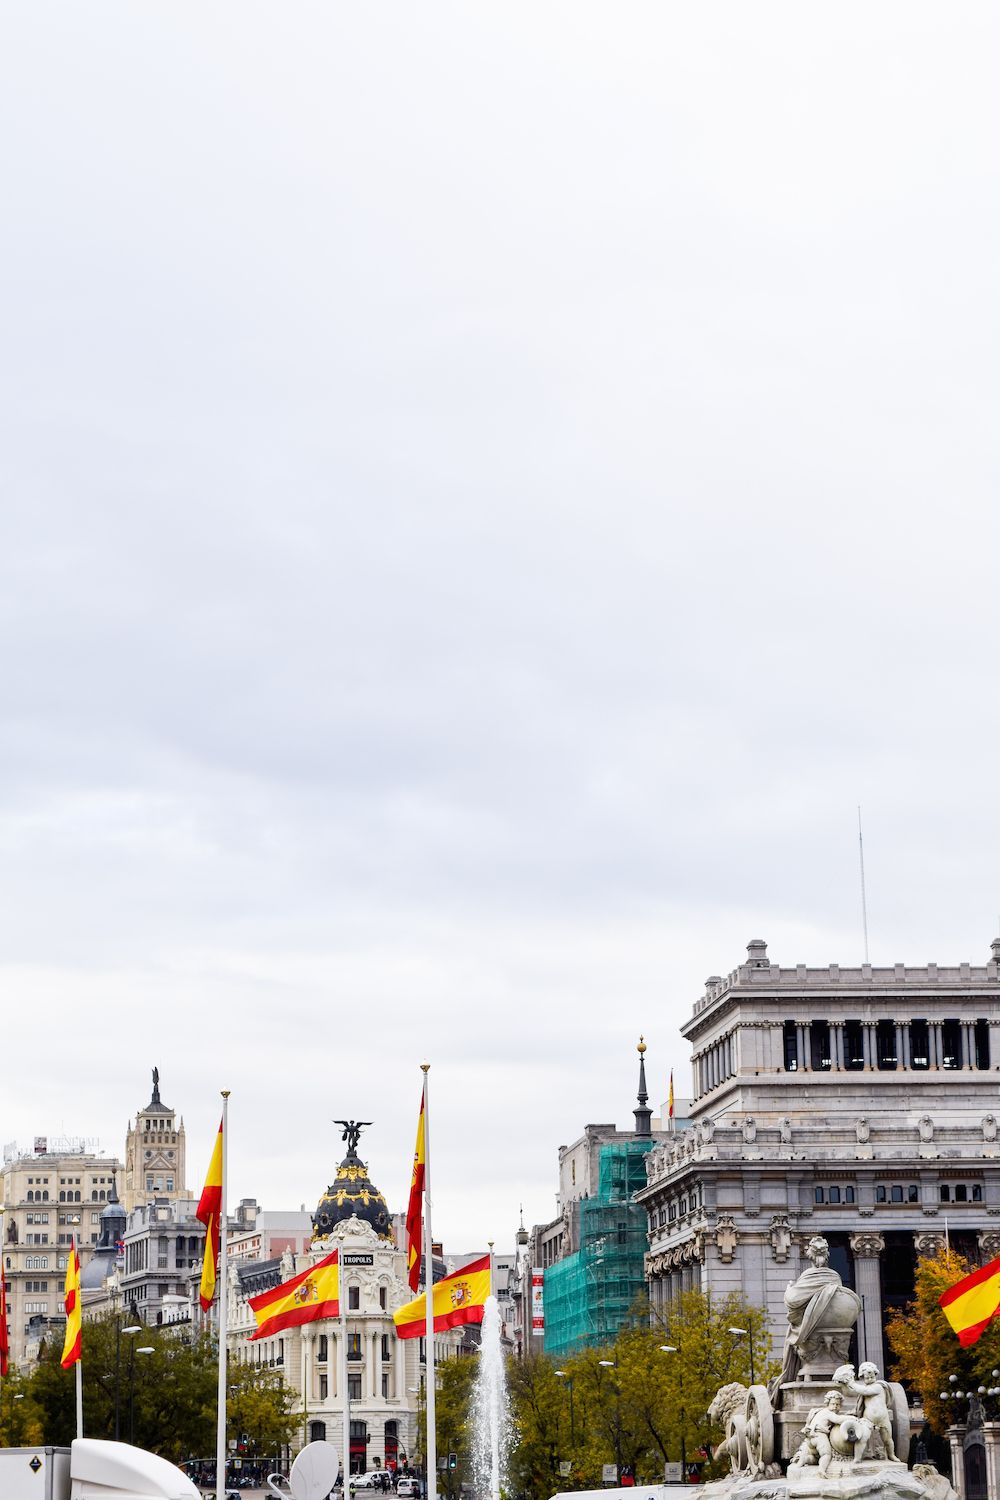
(971, 1303)
(4, 1342)
(208, 1211)
(414, 1209)
(74, 1310)
(314, 1293)
(459, 1298)
(670, 1097)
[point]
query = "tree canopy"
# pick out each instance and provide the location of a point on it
(926, 1349)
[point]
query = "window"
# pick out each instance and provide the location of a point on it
(848, 1195)
(912, 1193)
(354, 1388)
(324, 1387)
(819, 1045)
(385, 1349)
(981, 1043)
(383, 1297)
(880, 1194)
(323, 1350)
(920, 1047)
(835, 1195)
(354, 1346)
(897, 1192)
(353, 1298)
(385, 1387)
(885, 1044)
(951, 1044)
(791, 1047)
(977, 1193)
(817, 1195)
(854, 1050)
(961, 1193)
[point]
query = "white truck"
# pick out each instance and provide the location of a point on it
(90, 1470)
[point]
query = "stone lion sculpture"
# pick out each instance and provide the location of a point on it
(936, 1486)
(728, 1409)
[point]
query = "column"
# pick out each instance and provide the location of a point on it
(307, 1383)
(969, 1044)
(901, 1032)
(333, 1365)
(837, 1046)
(370, 1361)
(934, 1043)
(868, 1044)
(802, 1046)
(866, 1249)
(400, 1382)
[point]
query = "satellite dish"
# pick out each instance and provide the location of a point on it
(314, 1472)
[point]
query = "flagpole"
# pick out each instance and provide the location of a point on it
(345, 1395)
(429, 1302)
(223, 1279)
(80, 1391)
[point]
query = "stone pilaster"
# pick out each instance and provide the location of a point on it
(866, 1249)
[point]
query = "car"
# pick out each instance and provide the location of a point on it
(408, 1489)
(370, 1481)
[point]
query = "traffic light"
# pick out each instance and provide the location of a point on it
(453, 1460)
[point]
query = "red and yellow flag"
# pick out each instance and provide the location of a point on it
(459, 1298)
(314, 1293)
(208, 1211)
(4, 1341)
(670, 1097)
(414, 1209)
(74, 1310)
(973, 1302)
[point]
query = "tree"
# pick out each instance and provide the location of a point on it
(166, 1400)
(926, 1349)
(633, 1403)
(452, 1405)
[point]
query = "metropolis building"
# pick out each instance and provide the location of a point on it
(384, 1373)
(860, 1104)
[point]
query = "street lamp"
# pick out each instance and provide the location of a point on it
(133, 1351)
(746, 1333)
(674, 1349)
(612, 1364)
(565, 1375)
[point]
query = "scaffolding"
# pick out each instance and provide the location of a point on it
(589, 1294)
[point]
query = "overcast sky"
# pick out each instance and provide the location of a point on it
(487, 490)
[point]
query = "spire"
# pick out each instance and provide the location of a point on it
(522, 1233)
(642, 1113)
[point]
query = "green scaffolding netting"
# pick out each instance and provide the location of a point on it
(589, 1294)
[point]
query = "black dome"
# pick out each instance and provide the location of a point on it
(351, 1193)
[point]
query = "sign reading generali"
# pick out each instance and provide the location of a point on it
(537, 1300)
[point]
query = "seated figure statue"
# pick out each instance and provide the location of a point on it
(822, 1313)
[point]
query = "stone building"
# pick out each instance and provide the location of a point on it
(52, 1194)
(384, 1373)
(155, 1151)
(856, 1103)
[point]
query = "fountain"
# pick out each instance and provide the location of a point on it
(491, 1419)
(819, 1431)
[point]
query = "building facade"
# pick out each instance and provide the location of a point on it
(51, 1195)
(860, 1104)
(384, 1373)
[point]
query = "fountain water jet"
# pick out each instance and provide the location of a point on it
(491, 1419)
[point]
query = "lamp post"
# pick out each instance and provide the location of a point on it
(565, 1375)
(612, 1364)
(674, 1349)
(746, 1333)
(133, 1351)
(132, 1328)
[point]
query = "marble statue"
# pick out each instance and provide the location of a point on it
(822, 1313)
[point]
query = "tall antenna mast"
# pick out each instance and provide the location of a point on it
(864, 901)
